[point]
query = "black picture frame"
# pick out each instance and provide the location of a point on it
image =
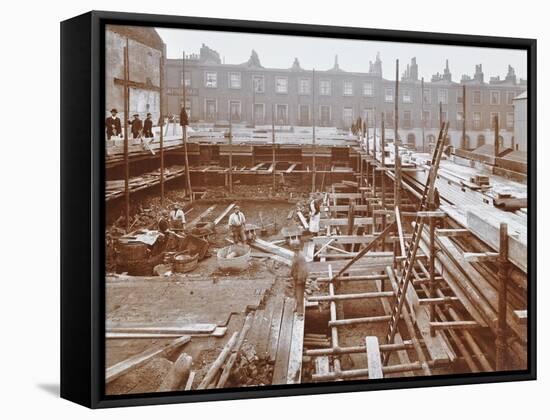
(82, 206)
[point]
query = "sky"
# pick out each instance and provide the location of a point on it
(278, 51)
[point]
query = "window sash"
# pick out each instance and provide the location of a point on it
(348, 88)
(324, 87)
(234, 80)
(368, 89)
(211, 79)
(281, 85)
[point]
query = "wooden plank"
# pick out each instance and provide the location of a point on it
(291, 168)
(309, 247)
(400, 231)
(275, 249)
(454, 325)
(255, 329)
(201, 216)
(280, 369)
(275, 328)
(224, 213)
(181, 330)
(452, 232)
(140, 359)
(265, 330)
(480, 256)
(374, 361)
(359, 221)
(486, 227)
(302, 220)
(190, 380)
(322, 365)
(294, 373)
(213, 370)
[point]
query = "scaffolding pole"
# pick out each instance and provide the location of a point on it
(126, 157)
(184, 132)
(161, 123)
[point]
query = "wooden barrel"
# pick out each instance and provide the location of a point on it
(132, 251)
(183, 262)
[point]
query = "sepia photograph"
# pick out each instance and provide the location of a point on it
(291, 210)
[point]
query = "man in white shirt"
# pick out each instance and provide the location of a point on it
(177, 218)
(314, 215)
(236, 224)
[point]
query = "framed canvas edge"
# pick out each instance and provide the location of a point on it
(95, 304)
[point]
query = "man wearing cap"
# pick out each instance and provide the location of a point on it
(112, 125)
(177, 218)
(236, 224)
(148, 126)
(136, 125)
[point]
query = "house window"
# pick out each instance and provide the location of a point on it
(282, 114)
(234, 80)
(324, 87)
(407, 97)
(234, 110)
(426, 118)
(348, 88)
(368, 116)
(459, 96)
(427, 96)
(443, 115)
(407, 119)
(476, 97)
(495, 97)
(210, 109)
(509, 120)
(348, 117)
(389, 119)
(510, 98)
(388, 94)
(493, 115)
(187, 79)
(477, 120)
(259, 113)
(443, 96)
(368, 89)
(281, 85)
(258, 83)
(304, 87)
(303, 114)
(211, 79)
(324, 114)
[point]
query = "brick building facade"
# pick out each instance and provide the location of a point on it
(247, 92)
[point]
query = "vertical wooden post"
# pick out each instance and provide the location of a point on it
(501, 354)
(184, 134)
(497, 145)
(463, 145)
(126, 157)
(230, 173)
(313, 163)
(397, 185)
(161, 123)
(422, 117)
(432, 270)
(383, 174)
(273, 163)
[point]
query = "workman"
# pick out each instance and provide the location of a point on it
(236, 224)
(112, 125)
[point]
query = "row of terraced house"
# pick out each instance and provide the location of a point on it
(250, 93)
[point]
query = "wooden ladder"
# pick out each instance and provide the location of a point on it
(407, 267)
